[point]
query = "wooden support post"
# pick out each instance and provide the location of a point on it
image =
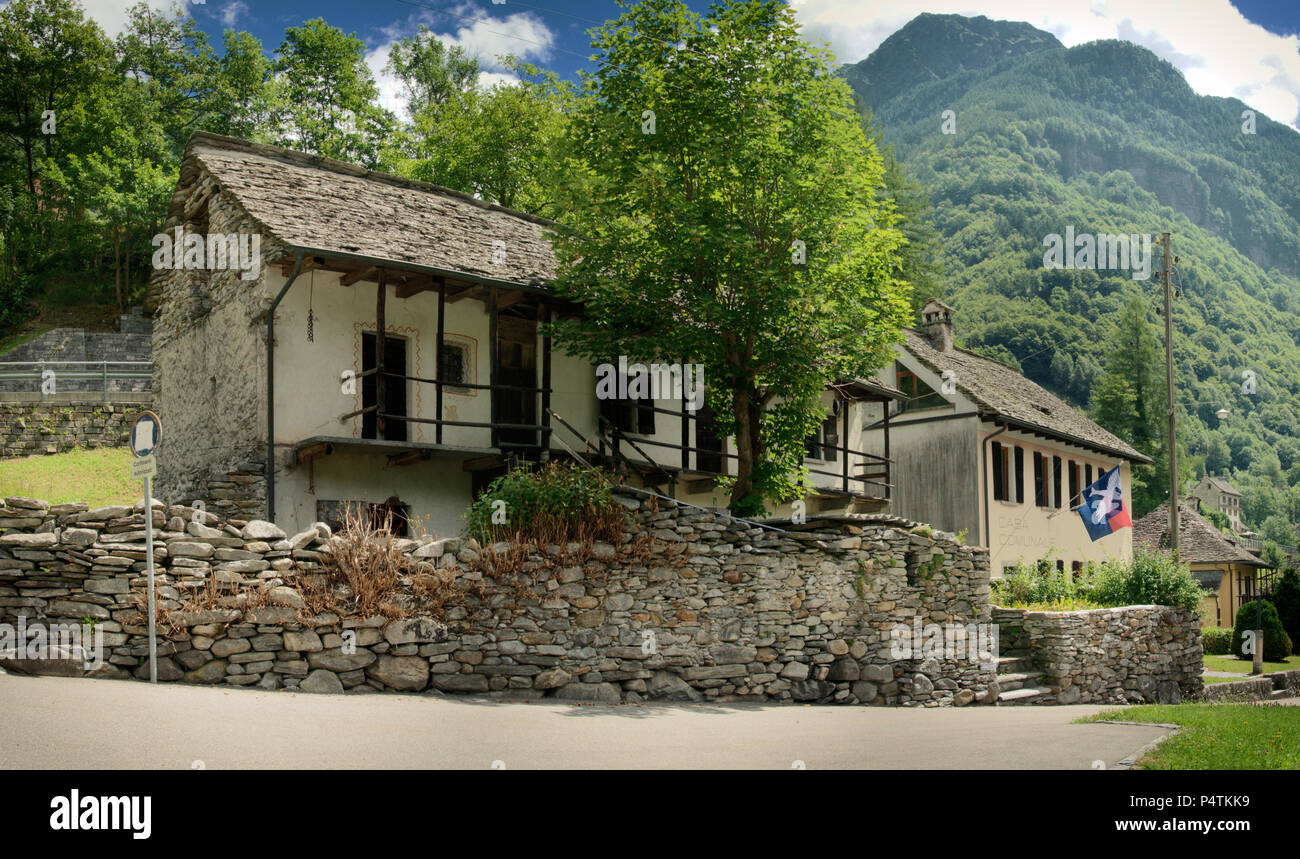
(889, 476)
(686, 424)
(492, 363)
(844, 443)
(438, 344)
(380, 380)
(544, 312)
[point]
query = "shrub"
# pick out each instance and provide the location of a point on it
(1216, 640)
(1286, 597)
(366, 557)
(556, 503)
(1277, 644)
(1151, 578)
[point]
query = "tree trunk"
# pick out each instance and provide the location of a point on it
(749, 448)
(117, 266)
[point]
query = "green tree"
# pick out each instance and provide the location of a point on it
(702, 149)
(245, 93)
(166, 52)
(499, 144)
(329, 96)
(1286, 597)
(431, 72)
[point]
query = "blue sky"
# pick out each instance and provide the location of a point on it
(1243, 48)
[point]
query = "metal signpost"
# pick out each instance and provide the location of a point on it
(146, 432)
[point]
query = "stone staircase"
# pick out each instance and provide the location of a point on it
(1018, 682)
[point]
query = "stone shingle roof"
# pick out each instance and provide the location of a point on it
(312, 202)
(1221, 485)
(1199, 542)
(1002, 392)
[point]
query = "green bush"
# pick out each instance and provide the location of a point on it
(1216, 640)
(1151, 578)
(555, 503)
(1286, 597)
(1277, 644)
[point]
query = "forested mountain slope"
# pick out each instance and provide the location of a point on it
(1107, 138)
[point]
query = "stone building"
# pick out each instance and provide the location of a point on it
(378, 340)
(1229, 574)
(981, 449)
(1217, 494)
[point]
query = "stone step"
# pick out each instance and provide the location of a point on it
(1281, 693)
(1014, 664)
(1017, 680)
(1027, 695)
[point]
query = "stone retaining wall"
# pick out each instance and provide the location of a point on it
(27, 429)
(133, 342)
(1285, 684)
(691, 606)
(1133, 654)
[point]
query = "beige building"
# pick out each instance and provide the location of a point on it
(1217, 494)
(980, 449)
(1229, 575)
(389, 349)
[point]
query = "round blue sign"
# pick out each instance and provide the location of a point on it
(145, 433)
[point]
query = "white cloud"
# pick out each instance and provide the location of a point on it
(232, 12)
(112, 14)
(1216, 48)
(522, 34)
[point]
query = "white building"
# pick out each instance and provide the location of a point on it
(387, 349)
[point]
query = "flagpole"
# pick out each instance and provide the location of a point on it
(1173, 417)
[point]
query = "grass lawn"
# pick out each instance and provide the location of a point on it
(1221, 662)
(98, 477)
(1219, 736)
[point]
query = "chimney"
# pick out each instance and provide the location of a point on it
(936, 324)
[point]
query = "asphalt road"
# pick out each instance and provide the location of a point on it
(56, 722)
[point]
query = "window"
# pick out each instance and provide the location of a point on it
(1060, 566)
(821, 444)
(1056, 482)
(1042, 494)
(630, 415)
(455, 366)
(1008, 472)
(1020, 473)
(334, 514)
(999, 473)
(1073, 468)
(919, 394)
(1087, 475)
(394, 388)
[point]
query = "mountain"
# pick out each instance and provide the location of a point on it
(908, 58)
(1106, 138)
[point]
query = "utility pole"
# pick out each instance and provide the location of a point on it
(1169, 380)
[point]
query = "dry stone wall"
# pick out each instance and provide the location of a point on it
(1133, 654)
(27, 429)
(691, 606)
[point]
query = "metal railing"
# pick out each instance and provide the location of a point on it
(49, 378)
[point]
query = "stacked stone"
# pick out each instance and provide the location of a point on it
(1132, 654)
(27, 429)
(693, 606)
